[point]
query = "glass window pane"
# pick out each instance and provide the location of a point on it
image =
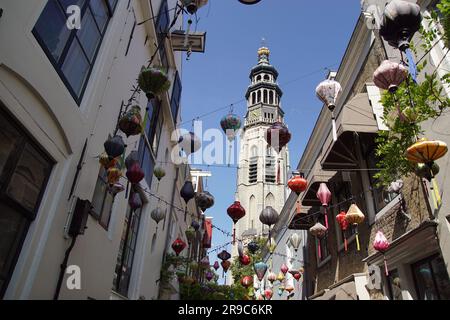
(89, 35)
(76, 68)
(51, 28)
(98, 197)
(100, 12)
(425, 283)
(441, 277)
(29, 178)
(106, 212)
(13, 225)
(8, 138)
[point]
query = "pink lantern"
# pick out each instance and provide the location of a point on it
(381, 244)
(390, 75)
(268, 293)
(328, 92)
(324, 195)
(284, 268)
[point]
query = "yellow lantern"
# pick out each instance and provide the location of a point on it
(426, 151)
(354, 217)
(280, 277)
(114, 175)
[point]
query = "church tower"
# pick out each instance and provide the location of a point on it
(263, 172)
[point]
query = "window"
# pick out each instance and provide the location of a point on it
(176, 98)
(271, 97)
(265, 96)
(253, 97)
(73, 52)
(253, 170)
(24, 172)
(127, 250)
(102, 200)
(266, 77)
(258, 100)
(258, 78)
(431, 279)
(162, 28)
(270, 167)
(394, 285)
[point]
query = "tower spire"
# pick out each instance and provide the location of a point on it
(263, 52)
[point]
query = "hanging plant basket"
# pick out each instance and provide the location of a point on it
(131, 122)
(153, 81)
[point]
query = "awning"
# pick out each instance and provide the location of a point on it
(346, 291)
(355, 116)
(410, 247)
(315, 178)
(207, 237)
(304, 220)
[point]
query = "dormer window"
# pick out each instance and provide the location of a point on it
(266, 77)
(258, 78)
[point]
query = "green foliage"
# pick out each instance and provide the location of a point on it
(438, 25)
(211, 291)
(172, 266)
(239, 271)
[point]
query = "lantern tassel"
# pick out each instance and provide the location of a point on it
(436, 190)
(385, 266)
(234, 236)
(278, 173)
(333, 123)
(345, 243)
(319, 250)
(185, 212)
(357, 240)
(299, 207)
(411, 64)
(229, 154)
(326, 218)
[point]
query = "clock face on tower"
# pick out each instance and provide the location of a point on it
(254, 114)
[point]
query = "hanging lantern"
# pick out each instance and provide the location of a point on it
(190, 235)
(280, 276)
(224, 255)
(390, 75)
(344, 226)
(269, 216)
(216, 265)
(106, 162)
(116, 188)
(268, 293)
(260, 269)
(272, 277)
(297, 276)
(253, 247)
(204, 200)
(135, 174)
(159, 173)
(225, 265)
(135, 201)
(324, 195)
(158, 215)
(249, 2)
(319, 231)
(113, 175)
(298, 184)
(423, 171)
(381, 244)
(131, 122)
(236, 212)
(277, 136)
(114, 147)
(178, 246)
(209, 275)
(153, 82)
(192, 6)
(328, 92)
(354, 217)
(295, 241)
(195, 225)
(187, 193)
(247, 281)
(401, 20)
(230, 124)
(289, 289)
(280, 291)
(131, 159)
(284, 268)
(426, 151)
(245, 260)
(190, 143)
(240, 249)
(205, 262)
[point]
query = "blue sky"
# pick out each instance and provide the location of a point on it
(304, 37)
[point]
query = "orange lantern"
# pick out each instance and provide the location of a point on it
(298, 184)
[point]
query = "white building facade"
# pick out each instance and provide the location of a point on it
(61, 93)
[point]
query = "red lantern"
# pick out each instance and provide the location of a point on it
(298, 184)
(236, 212)
(225, 265)
(245, 260)
(277, 136)
(178, 246)
(324, 195)
(344, 226)
(297, 276)
(382, 244)
(268, 293)
(246, 281)
(135, 173)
